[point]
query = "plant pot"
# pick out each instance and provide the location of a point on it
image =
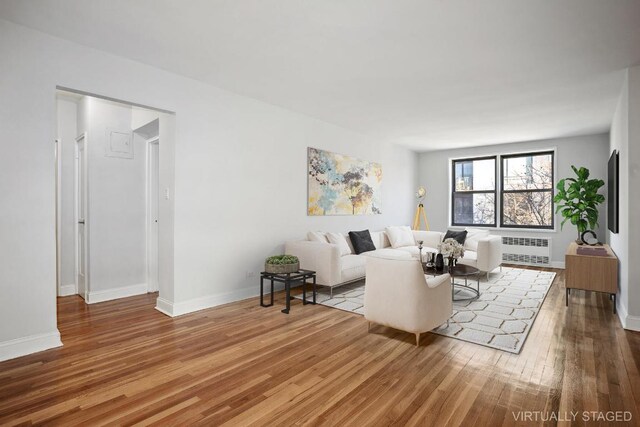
(281, 268)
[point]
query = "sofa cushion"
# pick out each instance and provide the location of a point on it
(387, 253)
(458, 236)
(415, 252)
(473, 236)
(429, 238)
(400, 236)
(361, 241)
(341, 241)
(352, 267)
(317, 236)
(379, 239)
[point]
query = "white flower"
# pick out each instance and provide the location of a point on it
(451, 248)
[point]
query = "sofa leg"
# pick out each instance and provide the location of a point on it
(417, 339)
(331, 292)
(368, 326)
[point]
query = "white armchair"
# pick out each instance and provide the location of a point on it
(398, 294)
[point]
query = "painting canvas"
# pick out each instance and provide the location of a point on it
(342, 185)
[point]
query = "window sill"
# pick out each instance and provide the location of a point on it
(504, 229)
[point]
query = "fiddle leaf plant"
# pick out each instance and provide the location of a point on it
(578, 200)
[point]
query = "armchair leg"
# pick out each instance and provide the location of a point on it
(417, 339)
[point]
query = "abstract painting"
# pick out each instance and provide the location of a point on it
(342, 185)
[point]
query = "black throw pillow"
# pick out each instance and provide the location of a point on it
(459, 236)
(361, 241)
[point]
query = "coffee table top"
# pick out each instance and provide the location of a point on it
(457, 270)
(463, 270)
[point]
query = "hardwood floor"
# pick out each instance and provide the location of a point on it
(125, 363)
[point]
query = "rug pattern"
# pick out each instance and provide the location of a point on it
(501, 318)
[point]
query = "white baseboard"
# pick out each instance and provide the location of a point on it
(27, 345)
(66, 290)
(115, 293)
(557, 264)
(164, 306)
(631, 323)
(196, 304)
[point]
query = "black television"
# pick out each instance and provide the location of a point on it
(612, 192)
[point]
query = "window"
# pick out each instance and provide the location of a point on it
(474, 192)
(525, 186)
(527, 190)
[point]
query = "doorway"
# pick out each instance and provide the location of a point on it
(109, 213)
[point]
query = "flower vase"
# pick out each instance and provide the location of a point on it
(452, 262)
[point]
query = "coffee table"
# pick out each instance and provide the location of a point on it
(460, 271)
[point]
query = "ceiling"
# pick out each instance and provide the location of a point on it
(426, 74)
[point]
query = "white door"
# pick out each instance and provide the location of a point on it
(81, 215)
(153, 186)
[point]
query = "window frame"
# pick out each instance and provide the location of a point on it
(494, 191)
(550, 190)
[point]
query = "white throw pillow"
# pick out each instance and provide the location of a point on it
(341, 241)
(317, 236)
(400, 236)
(473, 236)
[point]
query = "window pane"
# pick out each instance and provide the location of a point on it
(533, 208)
(475, 208)
(479, 175)
(533, 172)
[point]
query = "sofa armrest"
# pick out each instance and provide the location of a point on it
(323, 258)
(434, 282)
(489, 253)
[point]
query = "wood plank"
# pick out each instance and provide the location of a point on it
(125, 363)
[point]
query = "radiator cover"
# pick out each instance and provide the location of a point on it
(526, 250)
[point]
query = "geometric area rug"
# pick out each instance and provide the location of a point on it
(501, 318)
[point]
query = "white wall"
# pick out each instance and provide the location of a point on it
(67, 110)
(625, 137)
(240, 178)
(117, 205)
(589, 151)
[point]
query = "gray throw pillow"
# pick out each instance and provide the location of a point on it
(459, 236)
(361, 241)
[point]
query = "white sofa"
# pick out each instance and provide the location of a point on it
(395, 295)
(335, 268)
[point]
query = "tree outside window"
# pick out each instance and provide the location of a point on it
(527, 190)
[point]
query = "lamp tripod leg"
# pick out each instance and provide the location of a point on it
(416, 220)
(424, 215)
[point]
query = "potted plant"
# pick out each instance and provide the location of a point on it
(578, 201)
(281, 264)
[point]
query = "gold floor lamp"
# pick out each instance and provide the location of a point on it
(420, 213)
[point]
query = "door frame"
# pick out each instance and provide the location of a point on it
(58, 154)
(148, 143)
(76, 215)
